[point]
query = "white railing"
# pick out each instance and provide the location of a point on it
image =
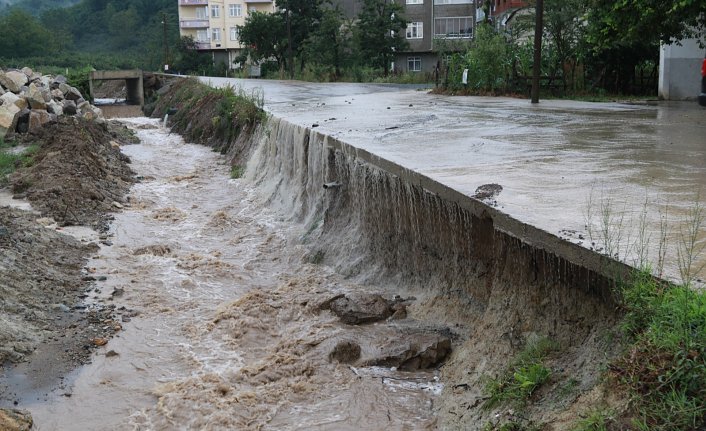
(193, 23)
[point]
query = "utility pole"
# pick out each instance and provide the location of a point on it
(166, 45)
(537, 67)
(290, 55)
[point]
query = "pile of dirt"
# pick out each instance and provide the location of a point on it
(77, 175)
(41, 293)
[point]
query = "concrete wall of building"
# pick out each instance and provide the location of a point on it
(680, 70)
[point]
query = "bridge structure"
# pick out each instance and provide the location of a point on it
(134, 83)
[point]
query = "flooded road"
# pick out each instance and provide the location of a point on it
(562, 165)
(222, 327)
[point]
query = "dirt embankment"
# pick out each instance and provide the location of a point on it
(76, 177)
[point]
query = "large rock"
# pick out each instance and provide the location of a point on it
(361, 308)
(54, 107)
(23, 121)
(13, 99)
(56, 94)
(9, 114)
(60, 79)
(35, 98)
(412, 351)
(37, 119)
(46, 80)
(15, 420)
(69, 107)
(28, 72)
(13, 80)
(73, 94)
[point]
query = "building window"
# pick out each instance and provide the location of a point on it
(202, 12)
(235, 10)
(415, 1)
(234, 33)
(460, 27)
(215, 11)
(415, 30)
(202, 35)
(414, 64)
(216, 34)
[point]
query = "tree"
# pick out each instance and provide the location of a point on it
(189, 60)
(627, 22)
(21, 35)
(328, 45)
(301, 19)
(380, 33)
(264, 36)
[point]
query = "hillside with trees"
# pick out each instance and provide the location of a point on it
(99, 33)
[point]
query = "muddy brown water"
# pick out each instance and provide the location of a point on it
(220, 338)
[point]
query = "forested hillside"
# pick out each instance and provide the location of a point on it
(99, 33)
(35, 7)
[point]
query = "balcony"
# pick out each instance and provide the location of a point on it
(258, 1)
(193, 2)
(193, 23)
(203, 45)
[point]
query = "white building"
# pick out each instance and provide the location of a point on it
(680, 70)
(214, 24)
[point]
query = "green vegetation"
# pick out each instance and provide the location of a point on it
(10, 159)
(105, 34)
(237, 172)
(523, 376)
(665, 368)
(596, 420)
(211, 116)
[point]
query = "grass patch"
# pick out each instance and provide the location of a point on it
(523, 376)
(596, 420)
(237, 172)
(665, 367)
(11, 160)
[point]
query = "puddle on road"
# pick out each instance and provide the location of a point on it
(225, 332)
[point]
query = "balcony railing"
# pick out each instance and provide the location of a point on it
(258, 1)
(203, 45)
(193, 23)
(193, 2)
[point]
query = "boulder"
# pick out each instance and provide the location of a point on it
(88, 115)
(46, 81)
(361, 308)
(56, 94)
(69, 107)
(46, 94)
(84, 107)
(73, 94)
(60, 79)
(13, 80)
(37, 119)
(79, 101)
(9, 114)
(64, 87)
(23, 121)
(54, 107)
(28, 72)
(10, 98)
(413, 351)
(35, 98)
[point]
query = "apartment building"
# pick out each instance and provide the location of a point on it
(430, 20)
(214, 24)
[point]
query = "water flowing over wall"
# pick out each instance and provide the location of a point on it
(379, 222)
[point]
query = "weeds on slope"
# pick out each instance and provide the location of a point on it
(216, 117)
(11, 160)
(665, 367)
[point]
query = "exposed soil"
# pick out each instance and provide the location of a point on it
(77, 176)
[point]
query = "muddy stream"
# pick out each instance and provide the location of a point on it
(221, 324)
